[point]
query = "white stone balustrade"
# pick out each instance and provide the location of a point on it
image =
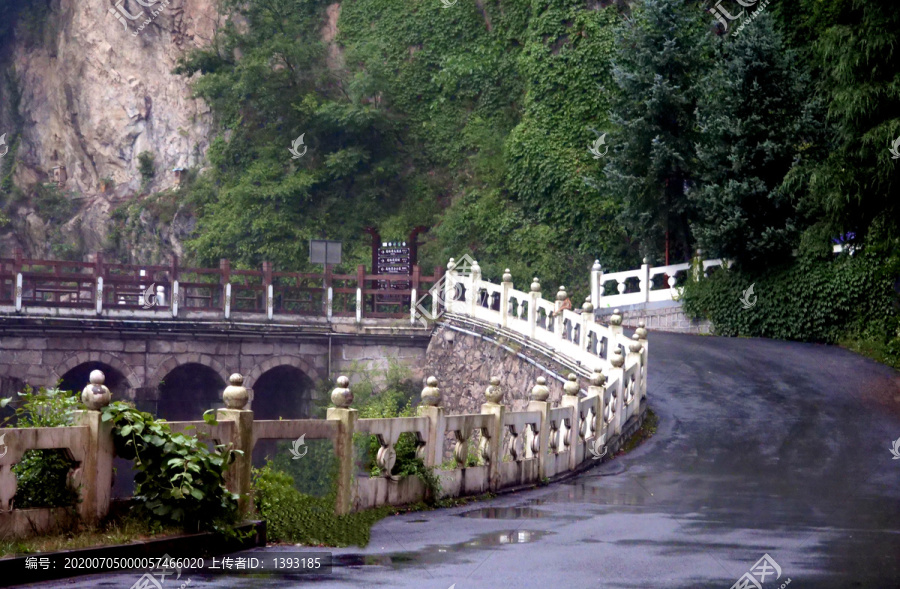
(645, 277)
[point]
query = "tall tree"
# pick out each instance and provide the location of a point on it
(752, 124)
(663, 52)
(859, 182)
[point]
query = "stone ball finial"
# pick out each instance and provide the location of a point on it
(236, 394)
(476, 269)
(494, 392)
(596, 267)
(571, 387)
(598, 379)
(507, 277)
(451, 264)
(96, 395)
(535, 285)
(617, 360)
(615, 318)
(561, 294)
(431, 394)
(646, 260)
(588, 306)
(540, 392)
(641, 330)
(635, 346)
(341, 395)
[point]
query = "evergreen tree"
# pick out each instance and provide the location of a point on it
(751, 123)
(663, 51)
(859, 183)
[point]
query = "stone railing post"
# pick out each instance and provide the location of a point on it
(432, 409)
(343, 443)
(535, 294)
(360, 285)
(697, 265)
(615, 328)
(494, 454)
(505, 287)
(472, 298)
(329, 293)
(617, 375)
(573, 431)
(237, 476)
(645, 280)
(596, 283)
(635, 355)
(414, 295)
(641, 333)
(19, 292)
(558, 324)
(225, 277)
(98, 283)
(596, 388)
(450, 285)
(537, 445)
(268, 289)
(97, 467)
(587, 318)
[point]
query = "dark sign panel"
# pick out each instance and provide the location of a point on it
(324, 252)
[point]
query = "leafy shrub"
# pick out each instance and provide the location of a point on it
(817, 300)
(43, 475)
(179, 480)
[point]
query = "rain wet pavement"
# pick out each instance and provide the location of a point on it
(763, 447)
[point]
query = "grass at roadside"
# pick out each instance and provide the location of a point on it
(646, 431)
(119, 530)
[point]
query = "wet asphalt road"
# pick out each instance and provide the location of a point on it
(763, 447)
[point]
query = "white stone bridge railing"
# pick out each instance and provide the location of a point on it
(646, 284)
(511, 448)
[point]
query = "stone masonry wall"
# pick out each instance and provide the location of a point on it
(464, 365)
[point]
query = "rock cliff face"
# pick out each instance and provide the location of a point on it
(96, 93)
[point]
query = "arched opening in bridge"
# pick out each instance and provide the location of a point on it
(189, 390)
(286, 392)
(283, 391)
(78, 377)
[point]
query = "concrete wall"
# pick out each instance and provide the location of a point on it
(658, 317)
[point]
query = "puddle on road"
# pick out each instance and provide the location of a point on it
(506, 513)
(434, 553)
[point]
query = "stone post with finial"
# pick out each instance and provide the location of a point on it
(615, 328)
(472, 288)
(634, 357)
(641, 333)
(570, 399)
(537, 445)
(558, 320)
(505, 287)
(236, 397)
(535, 295)
(490, 449)
(95, 475)
(645, 280)
(587, 319)
(617, 379)
(596, 283)
(597, 389)
(346, 418)
(450, 279)
(431, 408)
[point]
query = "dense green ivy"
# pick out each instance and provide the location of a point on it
(811, 299)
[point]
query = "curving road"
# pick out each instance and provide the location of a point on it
(763, 447)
